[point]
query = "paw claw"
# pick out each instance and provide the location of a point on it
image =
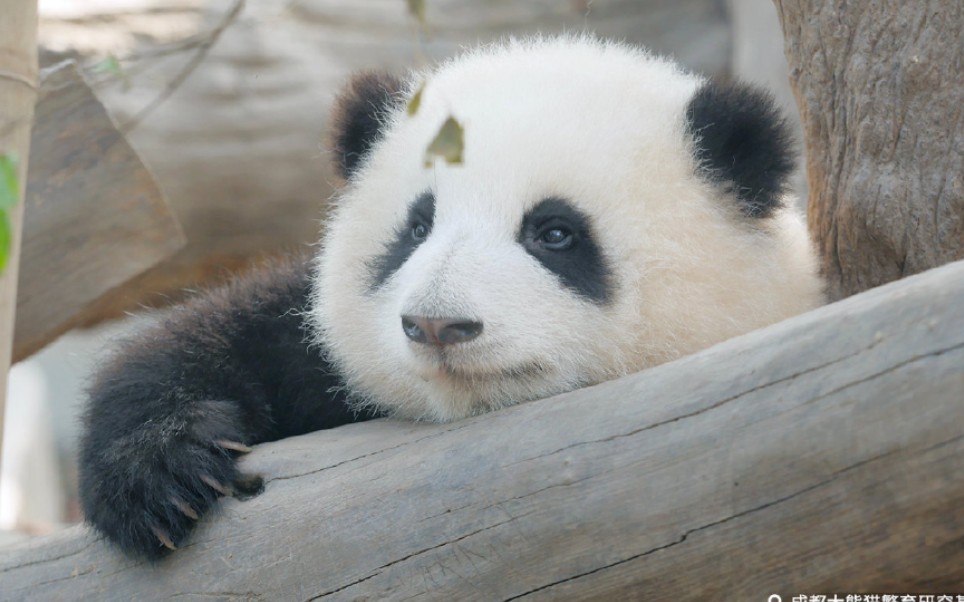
(185, 508)
(215, 485)
(247, 486)
(163, 538)
(237, 446)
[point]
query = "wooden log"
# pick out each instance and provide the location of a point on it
(94, 217)
(18, 93)
(878, 83)
(822, 454)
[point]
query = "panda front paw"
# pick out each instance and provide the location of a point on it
(146, 490)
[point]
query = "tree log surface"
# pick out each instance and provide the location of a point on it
(879, 86)
(821, 454)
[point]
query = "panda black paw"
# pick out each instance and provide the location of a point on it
(146, 490)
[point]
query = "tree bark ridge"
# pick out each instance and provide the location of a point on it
(879, 88)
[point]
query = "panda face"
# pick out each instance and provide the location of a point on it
(492, 305)
(578, 240)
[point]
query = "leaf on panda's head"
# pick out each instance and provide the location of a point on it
(447, 144)
(416, 100)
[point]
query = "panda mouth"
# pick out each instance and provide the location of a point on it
(522, 371)
(446, 369)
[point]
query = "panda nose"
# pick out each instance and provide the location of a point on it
(440, 331)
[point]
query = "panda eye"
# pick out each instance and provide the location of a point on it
(556, 239)
(419, 232)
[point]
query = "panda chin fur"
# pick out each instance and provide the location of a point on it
(612, 212)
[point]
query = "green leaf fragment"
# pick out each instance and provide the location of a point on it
(9, 195)
(447, 144)
(112, 66)
(5, 239)
(9, 184)
(416, 101)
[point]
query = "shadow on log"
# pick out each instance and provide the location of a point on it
(819, 455)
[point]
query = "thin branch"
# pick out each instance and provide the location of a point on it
(204, 46)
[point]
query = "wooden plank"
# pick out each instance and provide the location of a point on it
(819, 455)
(94, 216)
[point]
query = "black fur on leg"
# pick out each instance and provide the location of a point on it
(743, 141)
(180, 400)
(149, 483)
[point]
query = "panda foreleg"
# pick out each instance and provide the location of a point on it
(170, 413)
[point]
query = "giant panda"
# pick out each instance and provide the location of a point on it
(611, 212)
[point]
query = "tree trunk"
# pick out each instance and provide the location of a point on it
(18, 92)
(879, 85)
(819, 455)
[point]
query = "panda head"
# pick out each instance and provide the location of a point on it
(611, 212)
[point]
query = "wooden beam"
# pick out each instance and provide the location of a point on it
(94, 217)
(819, 455)
(18, 93)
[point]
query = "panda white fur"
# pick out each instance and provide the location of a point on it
(612, 212)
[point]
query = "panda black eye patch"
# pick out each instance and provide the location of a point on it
(408, 236)
(560, 237)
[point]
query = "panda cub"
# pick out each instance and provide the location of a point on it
(611, 212)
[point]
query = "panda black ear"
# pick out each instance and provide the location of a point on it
(742, 140)
(357, 117)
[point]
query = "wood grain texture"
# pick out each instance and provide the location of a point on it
(821, 454)
(879, 86)
(94, 216)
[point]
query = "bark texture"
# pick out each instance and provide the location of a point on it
(879, 85)
(819, 455)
